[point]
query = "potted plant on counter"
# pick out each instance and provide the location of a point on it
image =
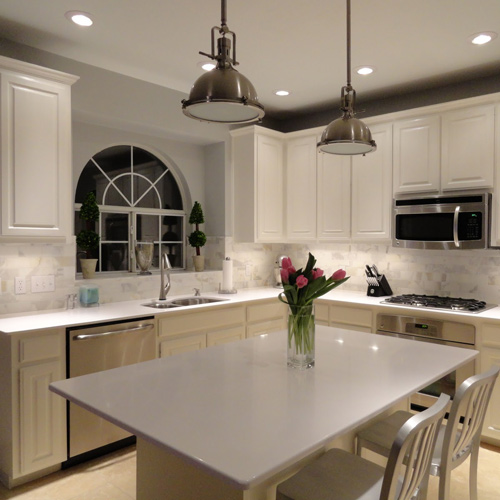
(197, 238)
(87, 239)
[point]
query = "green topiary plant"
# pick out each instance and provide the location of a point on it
(87, 239)
(197, 238)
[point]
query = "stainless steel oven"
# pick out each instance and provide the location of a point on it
(435, 331)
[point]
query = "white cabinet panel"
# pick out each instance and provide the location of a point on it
(334, 197)
(301, 188)
(372, 188)
(258, 169)
(468, 148)
(42, 418)
(36, 151)
(417, 155)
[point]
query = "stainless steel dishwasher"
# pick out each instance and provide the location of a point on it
(94, 349)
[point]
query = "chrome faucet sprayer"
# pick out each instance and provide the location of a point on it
(165, 268)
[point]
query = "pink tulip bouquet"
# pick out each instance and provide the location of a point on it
(300, 289)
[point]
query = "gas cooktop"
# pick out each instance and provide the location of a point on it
(435, 302)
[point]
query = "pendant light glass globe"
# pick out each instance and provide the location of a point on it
(223, 95)
(347, 135)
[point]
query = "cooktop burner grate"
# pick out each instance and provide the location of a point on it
(435, 302)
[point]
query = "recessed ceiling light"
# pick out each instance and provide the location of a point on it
(80, 18)
(282, 93)
(207, 65)
(482, 38)
(365, 70)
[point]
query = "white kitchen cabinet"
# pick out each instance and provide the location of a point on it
(489, 356)
(301, 188)
(372, 188)
(258, 170)
(188, 330)
(416, 155)
(33, 431)
(333, 197)
(266, 316)
(36, 163)
(353, 317)
(468, 148)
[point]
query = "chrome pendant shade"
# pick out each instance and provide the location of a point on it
(347, 135)
(223, 95)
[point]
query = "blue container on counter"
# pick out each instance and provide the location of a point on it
(89, 295)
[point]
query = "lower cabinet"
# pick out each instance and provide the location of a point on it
(356, 318)
(490, 356)
(35, 440)
(265, 316)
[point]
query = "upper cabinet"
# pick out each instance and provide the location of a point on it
(36, 164)
(371, 188)
(258, 169)
(417, 154)
(333, 197)
(448, 151)
(301, 188)
(468, 148)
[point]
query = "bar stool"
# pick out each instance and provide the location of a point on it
(339, 475)
(456, 441)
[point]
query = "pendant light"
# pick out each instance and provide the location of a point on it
(223, 95)
(347, 135)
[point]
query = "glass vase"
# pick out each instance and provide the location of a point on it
(301, 337)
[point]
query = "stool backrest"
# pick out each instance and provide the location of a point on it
(413, 445)
(466, 417)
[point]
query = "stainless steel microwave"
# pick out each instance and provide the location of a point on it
(454, 221)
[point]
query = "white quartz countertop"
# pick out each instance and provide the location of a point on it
(237, 410)
(135, 309)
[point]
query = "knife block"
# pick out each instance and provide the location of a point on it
(380, 290)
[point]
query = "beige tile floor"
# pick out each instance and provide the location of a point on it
(113, 478)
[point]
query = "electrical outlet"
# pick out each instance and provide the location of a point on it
(19, 285)
(248, 269)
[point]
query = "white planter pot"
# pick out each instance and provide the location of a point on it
(88, 267)
(199, 263)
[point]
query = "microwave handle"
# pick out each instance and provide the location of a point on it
(455, 226)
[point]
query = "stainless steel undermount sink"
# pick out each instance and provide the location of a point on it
(160, 305)
(194, 301)
(187, 301)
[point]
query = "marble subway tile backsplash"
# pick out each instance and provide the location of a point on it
(468, 274)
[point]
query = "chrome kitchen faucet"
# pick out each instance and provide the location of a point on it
(165, 268)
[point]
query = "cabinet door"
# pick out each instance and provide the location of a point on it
(183, 344)
(301, 188)
(226, 335)
(334, 197)
(353, 318)
(417, 158)
(269, 195)
(42, 418)
(372, 188)
(36, 157)
(468, 148)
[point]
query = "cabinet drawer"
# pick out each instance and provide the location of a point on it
(226, 335)
(272, 325)
(357, 316)
(40, 347)
(268, 310)
(186, 344)
(201, 321)
(321, 313)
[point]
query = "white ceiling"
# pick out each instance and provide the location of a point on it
(294, 44)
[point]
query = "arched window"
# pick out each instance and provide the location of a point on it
(140, 200)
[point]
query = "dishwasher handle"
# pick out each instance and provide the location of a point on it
(89, 336)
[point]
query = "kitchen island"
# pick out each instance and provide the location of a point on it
(233, 420)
